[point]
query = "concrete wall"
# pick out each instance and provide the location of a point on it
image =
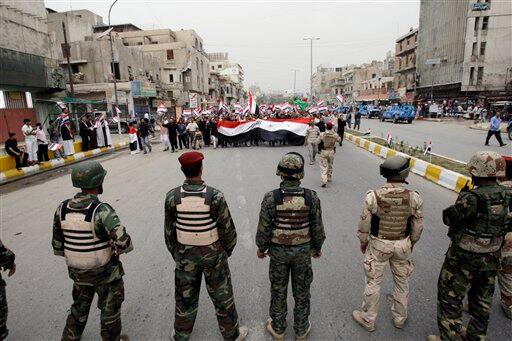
(23, 27)
(497, 58)
(441, 34)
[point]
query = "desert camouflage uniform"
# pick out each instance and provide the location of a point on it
(380, 251)
(329, 139)
(194, 261)
(6, 263)
(312, 135)
(505, 273)
(106, 281)
(290, 259)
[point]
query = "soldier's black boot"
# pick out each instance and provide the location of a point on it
(4, 332)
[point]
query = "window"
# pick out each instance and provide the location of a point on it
(75, 68)
(480, 75)
(219, 66)
(171, 78)
(485, 23)
(187, 79)
(170, 54)
(477, 23)
(139, 43)
(471, 76)
(170, 94)
(116, 71)
(482, 48)
(473, 50)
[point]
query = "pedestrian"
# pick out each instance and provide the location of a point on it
(11, 147)
(357, 119)
(88, 233)
(319, 122)
(182, 134)
(311, 141)
(29, 134)
(341, 128)
(207, 133)
(172, 128)
(133, 137)
(164, 135)
(56, 147)
(495, 129)
(201, 236)
(7, 258)
(103, 137)
(328, 141)
(198, 140)
(191, 130)
(42, 144)
(391, 224)
(478, 222)
(290, 232)
(144, 135)
(66, 133)
(349, 118)
(214, 133)
(85, 127)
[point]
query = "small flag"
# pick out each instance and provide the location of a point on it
(429, 148)
(222, 106)
(319, 103)
(368, 132)
(388, 138)
(55, 146)
(252, 103)
(340, 98)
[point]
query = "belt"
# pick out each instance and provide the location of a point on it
(390, 238)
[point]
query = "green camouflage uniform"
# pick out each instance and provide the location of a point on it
(194, 261)
(289, 259)
(106, 281)
(6, 263)
(466, 272)
(505, 274)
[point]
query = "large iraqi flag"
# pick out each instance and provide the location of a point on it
(292, 130)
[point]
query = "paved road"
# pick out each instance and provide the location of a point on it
(450, 138)
(40, 292)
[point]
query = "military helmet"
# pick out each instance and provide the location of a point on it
(88, 175)
(291, 165)
(395, 168)
(487, 164)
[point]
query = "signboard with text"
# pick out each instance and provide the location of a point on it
(192, 101)
(142, 89)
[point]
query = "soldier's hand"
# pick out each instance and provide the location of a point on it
(317, 254)
(12, 270)
(363, 248)
(261, 254)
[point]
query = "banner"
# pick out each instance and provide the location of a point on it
(192, 101)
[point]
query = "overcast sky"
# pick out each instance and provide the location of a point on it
(266, 37)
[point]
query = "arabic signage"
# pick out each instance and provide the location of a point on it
(480, 6)
(142, 89)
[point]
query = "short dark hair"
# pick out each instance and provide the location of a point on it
(192, 171)
(38, 124)
(51, 121)
(12, 134)
(26, 120)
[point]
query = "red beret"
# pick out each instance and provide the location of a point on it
(190, 158)
(329, 125)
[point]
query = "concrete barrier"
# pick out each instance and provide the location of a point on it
(439, 175)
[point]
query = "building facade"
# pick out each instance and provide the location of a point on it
(226, 79)
(405, 65)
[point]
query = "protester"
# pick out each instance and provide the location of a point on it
(164, 135)
(42, 144)
(66, 133)
(85, 128)
(495, 129)
(144, 135)
(103, 137)
(182, 134)
(357, 119)
(191, 129)
(30, 141)
(11, 147)
(132, 135)
(55, 146)
(341, 128)
(173, 135)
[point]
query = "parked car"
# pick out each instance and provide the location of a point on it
(399, 113)
(373, 111)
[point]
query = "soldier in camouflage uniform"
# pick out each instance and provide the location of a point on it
(6, 263)
(290, 231)
(478, 223)
(90, 236)
(505, 273)
(200, 235)
(328, 140)
(391, 224)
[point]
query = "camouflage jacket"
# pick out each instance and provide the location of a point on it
(268, 212)
(220, 213)
(6, 259)
(106, 225)
(370, 207)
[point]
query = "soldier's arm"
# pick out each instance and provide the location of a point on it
(7, 257)
(58, 236)
(225, 224)
(108, 224)
(317, 228)
(264, 232)
(417, 217)
(369, 207)
(170, 224)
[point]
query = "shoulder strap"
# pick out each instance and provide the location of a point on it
(177, 195)
(64, 209)
(91, 210)
(308, 197)
(278, 196)
(208, 197)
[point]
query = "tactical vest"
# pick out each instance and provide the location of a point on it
(292, 218)
(485, 233)
(393, 219)
(195, 225)
(329, 140)
(82, 248)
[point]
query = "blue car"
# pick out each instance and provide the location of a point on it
(399, 113)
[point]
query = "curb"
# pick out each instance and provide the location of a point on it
(14, 174)
(436, 174)
(479, 127)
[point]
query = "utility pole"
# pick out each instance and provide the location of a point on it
(311, 65)
(66, 51)
(113, 68)
(294, 81)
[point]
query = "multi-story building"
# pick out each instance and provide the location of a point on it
(226, 79)
(405, 65)
(28, 69)
(321, 81)
(371, 82)
(440, 51)
(487, 68)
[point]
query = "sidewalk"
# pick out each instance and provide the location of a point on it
(485, 126)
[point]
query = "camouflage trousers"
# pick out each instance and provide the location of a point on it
(378, 254)
(326, 165)
(505, 279)
(312, 148)
(3, 305)
(455, 280)
(191, 264)
(294, 260)
(110, 299)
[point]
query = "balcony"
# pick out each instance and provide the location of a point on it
(407, 49)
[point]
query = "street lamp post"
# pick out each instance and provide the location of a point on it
(294, 80)
(113, 67)
(311, 65)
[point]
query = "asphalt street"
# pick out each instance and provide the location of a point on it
(39, 294)
(450, 138)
